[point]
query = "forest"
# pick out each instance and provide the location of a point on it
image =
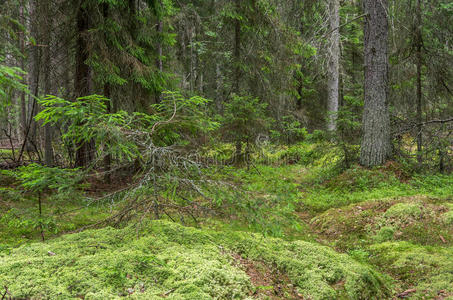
(226, 149)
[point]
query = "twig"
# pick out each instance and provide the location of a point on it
(164, 122)
(342, 25)
(6, 292)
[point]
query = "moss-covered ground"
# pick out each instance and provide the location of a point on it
(167, 260)
(354, 234)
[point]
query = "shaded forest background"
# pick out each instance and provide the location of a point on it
(226, 149)
(287, 66)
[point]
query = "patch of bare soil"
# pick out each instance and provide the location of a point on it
(268, 281)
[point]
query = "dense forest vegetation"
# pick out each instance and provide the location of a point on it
(226, 149)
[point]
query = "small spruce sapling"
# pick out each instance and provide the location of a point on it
(245, 117)
(39, 180)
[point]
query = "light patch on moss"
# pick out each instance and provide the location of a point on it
(176, 262)
(385, 234)
(403, 210)
(448, 217)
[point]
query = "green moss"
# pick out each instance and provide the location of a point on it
(448, 217)
(403, 210)
(419, 220)
(176, 262)
(385, 234)
(427, 269)
(356, 185)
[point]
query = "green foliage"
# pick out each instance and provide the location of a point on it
(36, 178)
(10, 80)
(87, 119)
(289, 130)
(123, 134)
(244, 118)
(180, 117)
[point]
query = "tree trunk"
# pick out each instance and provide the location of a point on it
(376, 119)
(419, 84)
(23, 108)
(334, 66)
(33, 79)
(300, 77)
(107, 94)
(219, 89)
(237, 49)
(47, 20)
(84, 153)
(159, 62)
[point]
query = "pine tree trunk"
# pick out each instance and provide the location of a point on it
(23, 105)
(237, 49)
(33, 79)
(219, 88)
(47, 20)
(376, 120)
(419, 84)
(159, 61)
(300, 77)
(334, 66)
(84, 153)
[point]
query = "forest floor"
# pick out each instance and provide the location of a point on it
(355, 234)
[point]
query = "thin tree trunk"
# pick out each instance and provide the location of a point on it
(159, 62)
(376, 119)
(84, 153)
(108, 156)
(419, 84)
(237, 49)
(33, 79)
(23, 108)
(300, 77)
(334, 66)
(47, 20)
(107, 94)
(219, 89)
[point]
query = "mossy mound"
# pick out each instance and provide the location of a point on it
(403, 211)
(448, 218)
(426, 270)
(418, 219)
(170, 261)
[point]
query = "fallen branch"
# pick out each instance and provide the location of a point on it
(406, 293)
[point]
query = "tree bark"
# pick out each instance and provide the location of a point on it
(84, 153)
(23, 107)
(376, 146)
(47, 62)
(33, 79)
(419, 83)
(159, 62)
(334, 66)
(219, 89)
(237, 49)
(300, 77)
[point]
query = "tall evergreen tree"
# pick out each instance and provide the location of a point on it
(376, 147)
